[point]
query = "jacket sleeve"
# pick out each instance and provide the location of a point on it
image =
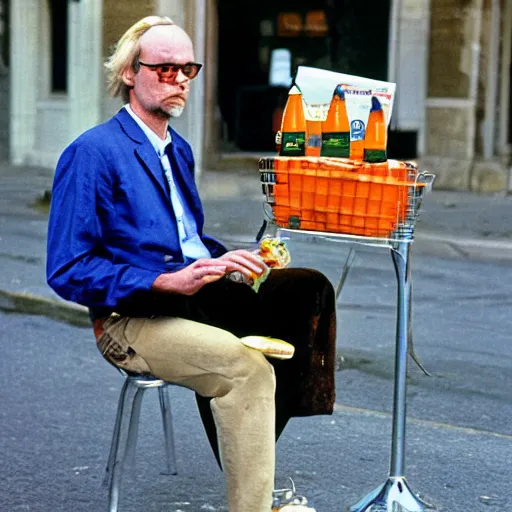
(78, 267)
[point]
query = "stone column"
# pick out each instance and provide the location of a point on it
(191, 15)
(454, 70)
(506, 61)
(85, 39)
(175, 9)
(491, 90)
(212, 118)
(24, 27)
(408, 64)
(196, 27)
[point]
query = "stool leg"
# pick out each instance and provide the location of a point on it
(133, 430)
(115, 436)
(165, 407)
(128, 394)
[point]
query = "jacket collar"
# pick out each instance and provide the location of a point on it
(151, 162)
(144, 149)
(130, 127)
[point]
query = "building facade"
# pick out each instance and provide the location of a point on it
(451, 60)
(468, 131)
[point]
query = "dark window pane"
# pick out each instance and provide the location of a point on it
(59, 41)
(5, 33)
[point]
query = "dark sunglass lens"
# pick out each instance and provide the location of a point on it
(165, 71)
(190, 70)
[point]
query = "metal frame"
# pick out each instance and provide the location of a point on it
(126, 429)
(394, 495)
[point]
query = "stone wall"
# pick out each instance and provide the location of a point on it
(4, 114)
(119, 16)
(448, 132)
(458, 63)
(450, 60)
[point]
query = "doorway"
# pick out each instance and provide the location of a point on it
(353, 38)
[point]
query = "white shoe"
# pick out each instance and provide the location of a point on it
(295, 508)
(285, 500)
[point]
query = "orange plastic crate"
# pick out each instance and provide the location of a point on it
(338, 195)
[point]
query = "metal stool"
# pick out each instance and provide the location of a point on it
(127, 428)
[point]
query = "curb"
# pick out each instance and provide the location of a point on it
(467, 248)
(435, 244)
(27, 303)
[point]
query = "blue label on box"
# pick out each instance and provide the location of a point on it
(357, 130)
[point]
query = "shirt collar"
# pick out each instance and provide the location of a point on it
(155, 140)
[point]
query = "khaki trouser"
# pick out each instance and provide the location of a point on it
(214, 363)
(194, 341)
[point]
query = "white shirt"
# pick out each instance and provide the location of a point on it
(191, 244)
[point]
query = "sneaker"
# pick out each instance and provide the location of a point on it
(294, 508)
(286, 500)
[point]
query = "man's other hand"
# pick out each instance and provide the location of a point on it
(192, 278)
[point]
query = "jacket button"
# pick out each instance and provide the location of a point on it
(168, 258)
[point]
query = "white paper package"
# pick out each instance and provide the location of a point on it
(317, 87)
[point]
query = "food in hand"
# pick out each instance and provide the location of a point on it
(274, 253)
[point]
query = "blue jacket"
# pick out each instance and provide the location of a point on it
(112, 229)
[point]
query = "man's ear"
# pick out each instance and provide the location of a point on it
(128, 76)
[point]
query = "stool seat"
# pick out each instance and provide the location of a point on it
(126, 429)
(144, 381)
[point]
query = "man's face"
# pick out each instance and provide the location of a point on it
(151, 91)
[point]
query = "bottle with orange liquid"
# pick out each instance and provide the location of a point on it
(336, 128)
(293, 128)
(375, 139)
(357, 140)
(314, 137)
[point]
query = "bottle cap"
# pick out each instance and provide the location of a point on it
(376, 106)
(340, 92)
(294, 90)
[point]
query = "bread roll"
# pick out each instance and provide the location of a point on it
(271, 347)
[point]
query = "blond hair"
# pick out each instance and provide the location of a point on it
(126, 53)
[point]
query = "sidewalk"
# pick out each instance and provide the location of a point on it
(451, 224)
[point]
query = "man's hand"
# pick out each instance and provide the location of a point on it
(243, 261)
(192, 278)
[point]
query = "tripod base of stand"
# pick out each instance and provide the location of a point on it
(392, 496)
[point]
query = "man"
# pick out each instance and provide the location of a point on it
(126, 239)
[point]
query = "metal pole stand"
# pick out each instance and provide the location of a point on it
(395, 495)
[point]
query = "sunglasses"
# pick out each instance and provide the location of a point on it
(169, 71)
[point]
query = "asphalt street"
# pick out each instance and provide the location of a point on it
(60, 399)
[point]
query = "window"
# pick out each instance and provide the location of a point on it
(59, 44)
(4, 33)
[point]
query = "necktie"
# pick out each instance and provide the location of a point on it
(191, 244)
(175, 198)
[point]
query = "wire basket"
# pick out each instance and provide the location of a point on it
(343, 196)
